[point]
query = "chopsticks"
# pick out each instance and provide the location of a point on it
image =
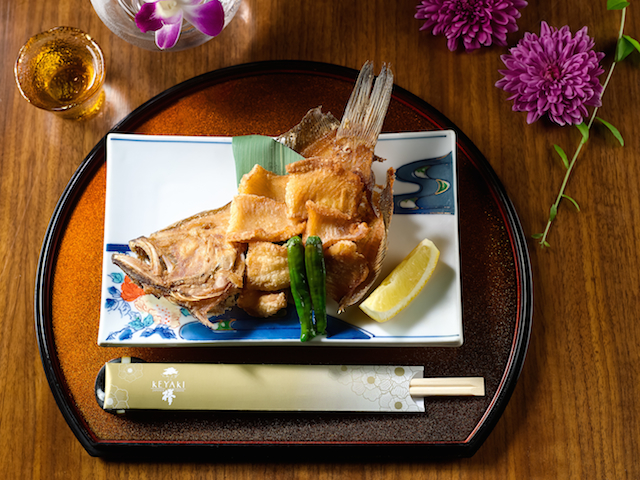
(125, 385)
(447, 387)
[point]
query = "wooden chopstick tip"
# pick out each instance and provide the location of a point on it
(447, 387)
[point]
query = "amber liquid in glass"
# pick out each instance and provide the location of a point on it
(61, 70)
(63, 74)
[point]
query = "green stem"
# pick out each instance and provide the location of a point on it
(543, 239)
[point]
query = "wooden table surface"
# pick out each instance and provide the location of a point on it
(574, 412)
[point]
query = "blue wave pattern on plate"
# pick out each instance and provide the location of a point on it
(434, 180)
(238, 325)
(158, 319)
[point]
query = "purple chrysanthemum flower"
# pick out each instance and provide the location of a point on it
(476, 22)
(555, 74)
(164, 17)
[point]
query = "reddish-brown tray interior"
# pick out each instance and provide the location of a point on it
(268, 98)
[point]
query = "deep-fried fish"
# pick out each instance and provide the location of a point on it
(190, 262)
(199, 263)
(267, 267)
(324, 182)
(346, 269)
(256, 218)
(262, 182)
(331, 225)
(261, 304)
(351, 146)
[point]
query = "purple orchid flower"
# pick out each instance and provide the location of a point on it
(164, 17)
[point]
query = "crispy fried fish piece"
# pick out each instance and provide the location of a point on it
(262, 304)
(260, 181)
(324, 182)
(332, 225)
(267, 267)
(190, 262)
(256, 218)
(346, 270)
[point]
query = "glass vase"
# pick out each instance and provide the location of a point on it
(118, 16)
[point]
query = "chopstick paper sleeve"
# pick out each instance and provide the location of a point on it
(333, 388)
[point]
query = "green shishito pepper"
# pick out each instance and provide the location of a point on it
(300, 288)
(317, 279)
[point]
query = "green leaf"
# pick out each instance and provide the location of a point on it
(563, 155)
(632, 41)
(575, 204)
(553, 212)
(614, 130)
(616, 4)
(249, 150)
(626, 45)
(546, 244)
(623, 48)
(537, 236)
(584, 130)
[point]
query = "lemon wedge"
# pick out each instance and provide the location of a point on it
(403, 284)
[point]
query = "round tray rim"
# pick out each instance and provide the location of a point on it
(93, 161)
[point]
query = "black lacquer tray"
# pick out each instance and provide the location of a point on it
(268, 98)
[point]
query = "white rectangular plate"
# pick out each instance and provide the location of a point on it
(154, 181)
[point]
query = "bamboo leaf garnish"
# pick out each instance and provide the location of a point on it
(612, 129)
(625, 45)
(563, 156)
(249, 150)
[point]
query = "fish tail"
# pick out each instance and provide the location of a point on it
(367, 107)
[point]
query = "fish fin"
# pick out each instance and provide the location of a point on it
(313, 126)
(386, 198)
(367, 107)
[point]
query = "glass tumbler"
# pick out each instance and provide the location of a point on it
(62, 71)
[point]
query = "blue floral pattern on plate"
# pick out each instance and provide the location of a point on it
(145, 316)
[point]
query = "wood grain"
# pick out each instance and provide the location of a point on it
(574, 413)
